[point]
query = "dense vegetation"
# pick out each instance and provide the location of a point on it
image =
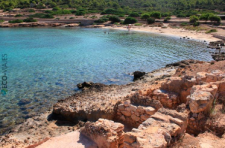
(30, 19)
(216, 20)
(119, 6)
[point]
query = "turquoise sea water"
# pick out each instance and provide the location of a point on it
(45, 64)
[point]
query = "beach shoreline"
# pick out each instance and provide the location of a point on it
(179, 33)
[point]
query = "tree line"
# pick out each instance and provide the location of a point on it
(119, 5)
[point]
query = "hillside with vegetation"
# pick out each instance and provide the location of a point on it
(124, 6)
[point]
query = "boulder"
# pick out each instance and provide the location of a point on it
(138, 75)
(172, 84)
(105, 133)
(84, 84)
(202, 97)
(159, 131)
(167, 99)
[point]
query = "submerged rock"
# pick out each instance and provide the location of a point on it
(24, 102)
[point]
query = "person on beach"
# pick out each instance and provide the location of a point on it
(129, 27)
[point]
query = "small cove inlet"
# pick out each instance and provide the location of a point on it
(45, 64)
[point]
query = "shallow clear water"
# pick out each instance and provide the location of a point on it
(45, 64)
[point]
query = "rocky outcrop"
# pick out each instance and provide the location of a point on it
(167, 99)
(84, 84)
(72, 25)
(133, 115)
(204, 140)
(90, 104)
(184, 63)
(202, 97)
(101, 101)
(105, 133)
(162, 129)
(159, 110)
(138, 75)
(216, 43)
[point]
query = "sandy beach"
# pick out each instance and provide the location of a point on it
(200, 36)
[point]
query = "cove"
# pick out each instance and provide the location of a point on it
(45, 64)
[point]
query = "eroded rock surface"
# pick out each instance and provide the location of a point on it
(163, 128)
(105, 133)
(161, 109)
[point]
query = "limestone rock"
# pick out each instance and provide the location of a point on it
(173, 84)
(168, 99)
(126, 113)
(105, 133)
(149, 110)
(201, 98)
(157, 133)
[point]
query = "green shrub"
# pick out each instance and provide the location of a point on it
(58, 12)
(204, 17)
(65, 6)
(16, 21)
(103, 19)
(130, 20)
(109, 11)
(211, 30)
(42, 15)
(48, 16)
(167, 19)
(150, 20)
(100, 21)
(37, 15)
(30, 19)
(196, 24)
(215, 19)
(52, 4)
(18, 15)
(55, 9)
(156, 15)
(118, 11)
(48, 11)
(184, 24)
(181, 15)
(121, 15)
(31, 10)
(167, 14)
(40, 6)
(194, 19)
(80, 12)
(71, 18)
(134, 14)
(145, 16)
(1, 21)
(114, 19)
(138, 24)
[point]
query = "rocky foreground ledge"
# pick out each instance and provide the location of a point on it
(181, 105)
